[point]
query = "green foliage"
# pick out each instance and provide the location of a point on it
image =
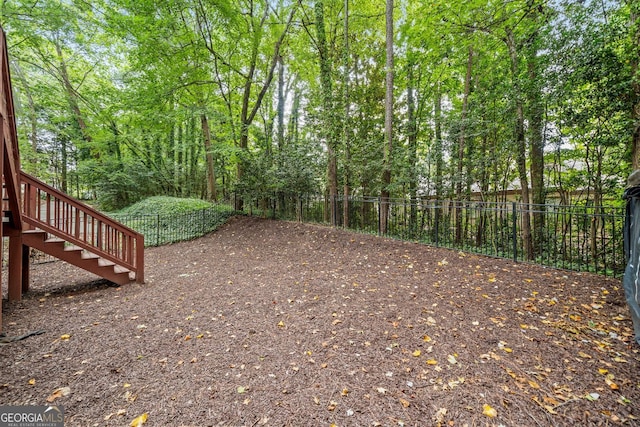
(111, 96)
(164, 205)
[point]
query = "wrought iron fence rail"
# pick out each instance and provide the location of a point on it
(579, 238)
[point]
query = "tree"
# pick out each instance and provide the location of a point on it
(388, 121)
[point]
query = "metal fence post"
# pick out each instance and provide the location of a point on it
(437, 221)
(379, 215)
(514, 230)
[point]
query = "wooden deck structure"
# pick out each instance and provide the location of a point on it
(36, 215)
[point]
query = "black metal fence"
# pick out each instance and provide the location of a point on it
(578, 238)
(160, 229)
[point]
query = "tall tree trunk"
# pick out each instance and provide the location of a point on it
(346, 120)
(211, 172)
(438, 148)
(327, 101)
(280, 103)
(388, 122)
(536, 151)
(412, 142)
(438, 145)
(462, 146)
(521, 155)
(292, 131)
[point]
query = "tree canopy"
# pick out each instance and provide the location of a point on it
(118, 100)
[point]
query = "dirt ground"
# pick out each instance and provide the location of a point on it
(266, 323)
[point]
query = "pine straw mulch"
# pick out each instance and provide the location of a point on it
(286, 324)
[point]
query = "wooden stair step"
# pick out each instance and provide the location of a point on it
(118, 269)
(53, 240)
(105, 263)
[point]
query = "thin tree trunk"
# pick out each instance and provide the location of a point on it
(280, 104)
(346, 121)
(521, 156)
(536, 153)
(211, 172)
(439, 158)
(388, 122)
(462, 146)
(438, 145)
(327, 99)
(412, 142)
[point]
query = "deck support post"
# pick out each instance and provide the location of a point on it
(15, 266)
(26, 251)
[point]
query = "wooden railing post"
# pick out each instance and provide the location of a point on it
(139, 251)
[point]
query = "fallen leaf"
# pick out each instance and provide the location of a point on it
(281, 324)
(241, 390)
(65, 337)
(611, 384)
(381, 390)
(332, 405)
(489, 411)
(432, 362)
(32, 381)
(59, 392)
(416, 353)
(584, 355)
(405, 403)
(139, 420)
(344, 392)
(452, 359)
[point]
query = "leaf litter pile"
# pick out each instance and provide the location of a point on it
(279, 323)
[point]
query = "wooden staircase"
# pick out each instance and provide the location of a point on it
(36, 215)
(76, 255)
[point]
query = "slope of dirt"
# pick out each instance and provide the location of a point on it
(280, 323)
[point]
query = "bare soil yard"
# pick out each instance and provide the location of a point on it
(286, 324)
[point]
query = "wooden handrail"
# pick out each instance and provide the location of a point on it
(50, 210)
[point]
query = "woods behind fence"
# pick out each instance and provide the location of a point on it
(579, 238)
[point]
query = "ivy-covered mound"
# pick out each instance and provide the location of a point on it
(164, 219)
